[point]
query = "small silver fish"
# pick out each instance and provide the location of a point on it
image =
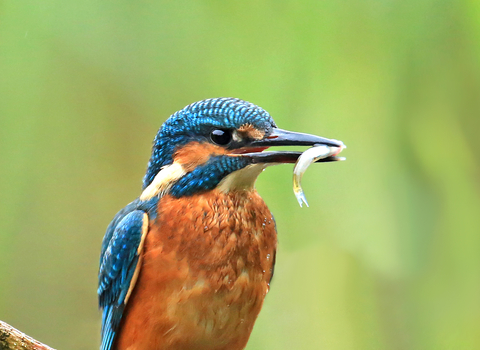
(308, 157)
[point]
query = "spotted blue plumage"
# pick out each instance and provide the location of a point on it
(207, 176)
(194, 123)
(118, 261)
(116, 270)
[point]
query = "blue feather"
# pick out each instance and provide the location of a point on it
(117, 265)
(207, 176)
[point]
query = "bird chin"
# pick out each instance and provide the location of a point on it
(243, 179)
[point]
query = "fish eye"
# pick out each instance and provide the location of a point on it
(221, 136)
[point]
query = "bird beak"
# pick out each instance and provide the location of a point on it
(279, 137)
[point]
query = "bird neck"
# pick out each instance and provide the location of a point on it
(241, 180)
(208, 176)
(162, 152)
(229, 173)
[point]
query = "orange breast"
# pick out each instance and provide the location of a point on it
(207, 263)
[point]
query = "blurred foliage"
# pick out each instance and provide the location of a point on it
(387, 255)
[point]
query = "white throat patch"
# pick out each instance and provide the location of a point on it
(162, 182)
(241, 180)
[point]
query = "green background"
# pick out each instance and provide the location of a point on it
(388, 254)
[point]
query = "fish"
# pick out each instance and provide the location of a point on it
(311, 155)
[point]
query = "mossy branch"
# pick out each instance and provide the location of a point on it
(13, 339)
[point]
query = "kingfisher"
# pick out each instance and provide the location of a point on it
(188, 263)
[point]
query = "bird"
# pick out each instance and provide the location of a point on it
(188, 263)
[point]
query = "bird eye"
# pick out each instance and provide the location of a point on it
(221, 137)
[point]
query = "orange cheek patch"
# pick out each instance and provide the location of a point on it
(195, 153)
(249, 131)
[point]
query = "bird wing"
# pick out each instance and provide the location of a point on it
(120, 263)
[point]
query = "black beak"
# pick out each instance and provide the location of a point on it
(279, 137)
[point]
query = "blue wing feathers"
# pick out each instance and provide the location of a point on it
(112, 314)
(114, 223)
(118, 262)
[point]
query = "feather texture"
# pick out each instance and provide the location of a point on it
(117, 268)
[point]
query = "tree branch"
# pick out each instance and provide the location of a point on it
(13, 339)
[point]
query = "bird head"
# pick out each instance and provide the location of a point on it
(218, 142)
